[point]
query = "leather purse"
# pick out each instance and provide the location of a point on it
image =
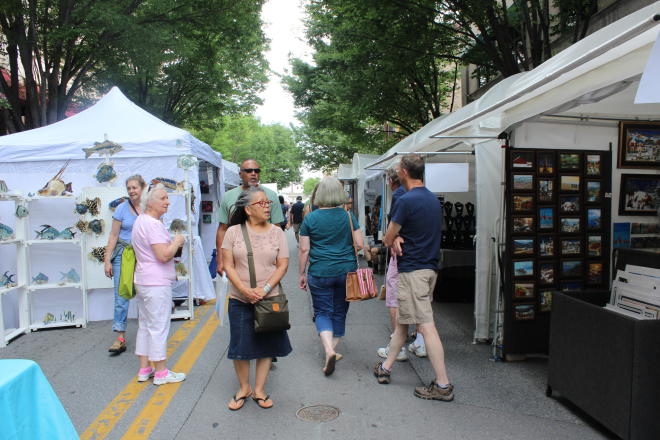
(270, 314)
(360, 285)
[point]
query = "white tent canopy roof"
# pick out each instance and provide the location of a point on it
(113, 117)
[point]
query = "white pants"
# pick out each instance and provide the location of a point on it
(154, 309)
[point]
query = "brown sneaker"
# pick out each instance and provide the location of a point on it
(117, 347)
(434, 392)
(381, 374)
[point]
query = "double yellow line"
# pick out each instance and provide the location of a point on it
(146, 421)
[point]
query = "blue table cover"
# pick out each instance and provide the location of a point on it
(29, 408)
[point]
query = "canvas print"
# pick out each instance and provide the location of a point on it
(569, 204)
(523, 182)
(594, 245)
(593, 191)
(571, 268)
(546, 190)
(523, 290)
(206, 218)
(523, 203)
(523, 312)
(571, 286)
(546, 246)
(571, 246)
(545, 301)
(595, 273)
(569, 161)
(569, 183)
(547, 273)
(644, 228)
(546, 164)
(523, 224)
(522, 159)
(639, 145)
(593, 164)
(207, 206)
(621, 236)
(594, 221)
(523, 268)
(637, 194)
(570, 225)
(546, 218)
(523, 246)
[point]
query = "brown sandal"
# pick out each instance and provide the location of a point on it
(261, 401)
(239, 401)
(330, 365)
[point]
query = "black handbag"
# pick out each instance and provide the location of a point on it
(270, 314)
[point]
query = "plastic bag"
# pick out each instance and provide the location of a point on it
(221, 289)
(213, 265)
(126, 287)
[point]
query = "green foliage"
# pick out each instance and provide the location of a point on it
(244, 137)
(309, 185)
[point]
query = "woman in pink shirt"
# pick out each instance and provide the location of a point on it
(154, 274)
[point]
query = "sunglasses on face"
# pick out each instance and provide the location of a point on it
(251, 170)
(263, 203)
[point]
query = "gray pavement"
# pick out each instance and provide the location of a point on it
(493, 400)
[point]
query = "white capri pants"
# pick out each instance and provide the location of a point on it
(154, 309)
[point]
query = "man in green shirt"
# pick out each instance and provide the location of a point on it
(249, 174)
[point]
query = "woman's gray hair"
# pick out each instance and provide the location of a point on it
(330, 193)
(144, 201)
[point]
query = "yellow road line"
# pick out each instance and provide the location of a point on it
(111, 414)
(146, 421)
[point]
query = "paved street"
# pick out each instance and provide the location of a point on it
(493, 400)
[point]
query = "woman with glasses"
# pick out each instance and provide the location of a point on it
(326, 242)
(271, 260)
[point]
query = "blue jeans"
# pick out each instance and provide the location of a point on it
(121, 304)
(329, 301)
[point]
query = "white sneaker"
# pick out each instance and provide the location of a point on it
(384, 351)
(417, 350)
(146, 377)
(171, 377)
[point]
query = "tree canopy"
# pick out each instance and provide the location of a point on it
(309, 185)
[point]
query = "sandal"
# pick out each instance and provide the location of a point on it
(330, 365)
(238, 402)
(339, 357)
(261, 401)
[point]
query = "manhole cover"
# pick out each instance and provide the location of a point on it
(318, 413)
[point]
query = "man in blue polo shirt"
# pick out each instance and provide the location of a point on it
(414, 236)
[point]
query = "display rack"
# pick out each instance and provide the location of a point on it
(187, 309)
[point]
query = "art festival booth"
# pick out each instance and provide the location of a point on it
(51, 248)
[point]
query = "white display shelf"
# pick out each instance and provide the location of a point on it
(181, 314)
(32, 287)
(56, 324)
(11, 196)
(13, 240)
(11, 333)
(4, 290)
(30, 198)
(56, 241)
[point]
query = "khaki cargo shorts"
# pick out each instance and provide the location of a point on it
(415, 294)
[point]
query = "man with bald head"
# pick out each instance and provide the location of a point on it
(249, 174)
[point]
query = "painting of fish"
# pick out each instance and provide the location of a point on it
(105, 148)
(56, 186)
(6, 233)
(105, 173)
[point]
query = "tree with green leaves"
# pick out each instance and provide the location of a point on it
(309, 185)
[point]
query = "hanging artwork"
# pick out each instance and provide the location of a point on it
(639, 145)
(56, 186)
(637, 194)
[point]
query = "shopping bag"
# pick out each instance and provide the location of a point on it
(126, 287)
(221, 289)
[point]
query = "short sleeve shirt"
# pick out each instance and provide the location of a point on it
(331, 250)
(297, 212)
(229, 201)
(148, 270)
(267, 247)
(125, 215)
(419, 213)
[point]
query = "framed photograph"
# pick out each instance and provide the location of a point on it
(523, 290)
(523, 246)
(547, 273)
(523, 312)
(523, 268)
(206, 218)
(545, 300)
(639, 145)
(594, 245)
(569, 225)
(571, 268)
(522, 203)
(569, 204)
(637, 194)
(593, 191)
(569, 183)
(546, 190)
(595, 273)
(207, 206)
(546, 164)
(569, 161)
(593, 164)
(523, 182)
(546, 218)
(644, 228)
(522, 159)
(571, 246)
(546, 245)
(523, 225)
(594, 221)
(621, 235)
(571, 286)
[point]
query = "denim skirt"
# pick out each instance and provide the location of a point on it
(244, 343)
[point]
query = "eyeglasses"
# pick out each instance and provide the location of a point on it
(263, 203)
(251, 170)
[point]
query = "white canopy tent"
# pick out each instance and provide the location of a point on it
(595, 78)
(361, 176)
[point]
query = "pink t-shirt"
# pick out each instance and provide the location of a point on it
(267, 247)
(148, 270)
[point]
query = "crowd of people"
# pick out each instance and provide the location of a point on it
(254, 255)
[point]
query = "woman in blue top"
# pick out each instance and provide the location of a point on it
(327, 243)
(120, 236)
